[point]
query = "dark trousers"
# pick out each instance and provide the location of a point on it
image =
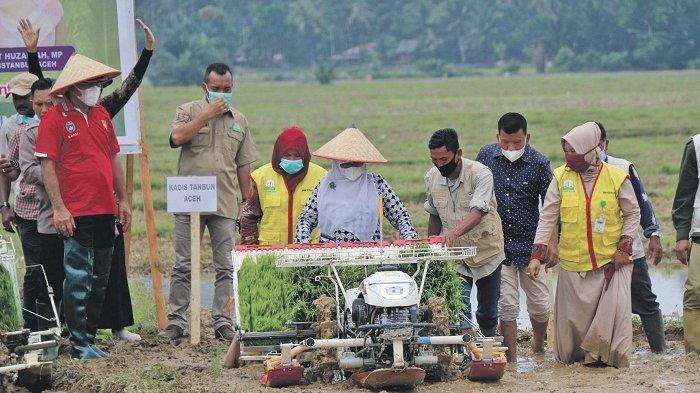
(40, 250)
(488, 291)
(116, 310)
(643, 299)
(87, 261)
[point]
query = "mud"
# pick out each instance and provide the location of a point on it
(155, 366)
(436, 312)
(325, 364)
(161, 366)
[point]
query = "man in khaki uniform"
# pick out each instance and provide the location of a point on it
(463, 209)
(686, 220)
(214, 140)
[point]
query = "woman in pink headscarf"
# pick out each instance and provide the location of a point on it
(598, 212)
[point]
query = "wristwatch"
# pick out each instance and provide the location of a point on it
(5, 205)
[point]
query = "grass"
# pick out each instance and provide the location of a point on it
(215, 366)
(649, 117)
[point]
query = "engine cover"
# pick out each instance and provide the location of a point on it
(390, 289)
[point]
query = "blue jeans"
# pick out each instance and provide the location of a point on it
(487, 295)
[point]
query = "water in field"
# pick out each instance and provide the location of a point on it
(667, 284)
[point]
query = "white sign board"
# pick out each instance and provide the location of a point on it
(129, 142)
(189, 194)
(103, 30)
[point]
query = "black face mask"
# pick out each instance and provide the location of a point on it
(448, 168)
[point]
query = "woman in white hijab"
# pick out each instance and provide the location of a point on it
(598, 211)
(345, 204)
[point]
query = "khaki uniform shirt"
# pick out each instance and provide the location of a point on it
(218, 149)
(453, 200)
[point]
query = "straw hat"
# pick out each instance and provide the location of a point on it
(350, 145)
(80, 69)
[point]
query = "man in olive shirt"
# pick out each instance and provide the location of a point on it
(686, 220)
(214, 140)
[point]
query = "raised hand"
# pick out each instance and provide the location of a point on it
(29, 35)
(150, 39)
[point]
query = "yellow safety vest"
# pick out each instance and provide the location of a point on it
(277, 222)
(590, 226)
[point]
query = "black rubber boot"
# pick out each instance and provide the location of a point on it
(654, 329)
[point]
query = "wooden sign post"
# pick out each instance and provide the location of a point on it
(196, 297)
(193, 194)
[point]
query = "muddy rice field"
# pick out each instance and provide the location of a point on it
(153, 365)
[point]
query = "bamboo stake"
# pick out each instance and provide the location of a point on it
(150, 216)
(130, 197)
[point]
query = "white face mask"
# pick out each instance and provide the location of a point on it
(513, 155)
(603, 155)
(354, 172)
(88, 96)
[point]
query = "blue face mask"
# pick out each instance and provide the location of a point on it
(213, 96)
(292, 166)
(24, 119)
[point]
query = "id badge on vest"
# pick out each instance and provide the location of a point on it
(599, 225)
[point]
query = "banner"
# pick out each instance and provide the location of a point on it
(99, 29)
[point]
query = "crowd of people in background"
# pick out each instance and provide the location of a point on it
(587, 218)
(60, 150)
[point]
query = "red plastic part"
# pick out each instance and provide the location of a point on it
(435, 240)
(282, 376)
(385, 378)
(486, 371)
(257, 247)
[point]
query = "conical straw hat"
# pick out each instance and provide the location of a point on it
(80, 69)
(350, 145)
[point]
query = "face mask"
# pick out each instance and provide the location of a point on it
(447, 169)
(513, 155)
(292, 166)
(353, 173)
(88, 96)
(603, 155)
(24, 119)
(577, 162)
(213, 96)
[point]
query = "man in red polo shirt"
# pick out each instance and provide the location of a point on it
(78, 150)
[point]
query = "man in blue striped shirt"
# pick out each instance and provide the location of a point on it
(521, 176)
